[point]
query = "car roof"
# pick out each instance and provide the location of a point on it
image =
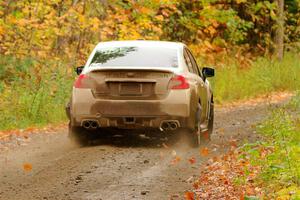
(166, 44)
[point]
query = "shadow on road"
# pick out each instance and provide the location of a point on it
(129, 139)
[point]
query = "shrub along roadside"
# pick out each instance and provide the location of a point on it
(34, 92)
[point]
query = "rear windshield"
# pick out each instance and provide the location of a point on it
(135, 57)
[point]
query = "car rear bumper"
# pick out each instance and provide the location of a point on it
(131, 114)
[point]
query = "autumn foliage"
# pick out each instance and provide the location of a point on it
(69, 29)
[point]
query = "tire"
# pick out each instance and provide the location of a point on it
(78, 135)
(195, 139)
(195, 135)
(206, 136)
(211, 119)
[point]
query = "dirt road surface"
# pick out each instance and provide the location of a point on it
(121, 168)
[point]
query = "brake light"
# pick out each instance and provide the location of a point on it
(78, 83)
(178, 83)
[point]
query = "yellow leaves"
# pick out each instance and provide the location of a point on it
(42, 54)
(127, 31)
(144, 10)
(23, 22)
(210, 30)
(11, 19)
(273, 14)
(288, 193)
(27, 167)
(159, 18)
(2, 30)
(207, 44)
(241, 1)
(81, 19)
(95, 24)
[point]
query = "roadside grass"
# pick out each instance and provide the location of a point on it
(34, 92)
(263, 77)
(280, 168)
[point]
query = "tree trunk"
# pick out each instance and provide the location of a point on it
(279, 35)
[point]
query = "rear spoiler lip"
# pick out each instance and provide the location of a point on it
(161, 69)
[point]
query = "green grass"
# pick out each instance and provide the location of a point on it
(280, 175)
(34, 92)
(263, 77)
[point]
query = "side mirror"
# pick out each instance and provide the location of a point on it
(208, 72)
(79, 70)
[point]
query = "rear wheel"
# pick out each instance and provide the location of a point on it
(211, 119)
(206, 135)
(195, 134)
(195, 138)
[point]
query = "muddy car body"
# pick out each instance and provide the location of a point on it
(141, 85)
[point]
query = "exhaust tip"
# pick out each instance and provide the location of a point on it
(169, 125)
(86, 124)
(173, 126)
(94, 124)
(165, 126)
(90, 124)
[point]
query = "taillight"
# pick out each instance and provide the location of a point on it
(79, 82)
(178, 83)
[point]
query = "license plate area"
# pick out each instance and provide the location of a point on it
(130, 89)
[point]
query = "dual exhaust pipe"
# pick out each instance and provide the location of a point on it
(169, 125)
(90, 124)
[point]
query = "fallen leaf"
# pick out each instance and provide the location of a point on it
(204, 151)
(27, 167)
(196, 185)
(30, 129)
(175, 160)
(189, 196)
(192, 160)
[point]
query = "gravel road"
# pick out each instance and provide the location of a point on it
(120, 168)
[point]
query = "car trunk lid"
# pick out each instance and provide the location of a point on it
(128, 83)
